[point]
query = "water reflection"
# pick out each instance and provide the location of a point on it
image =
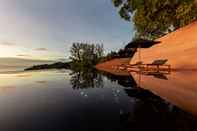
(90, 100)
(180, 88)
(85, 79)
(7, 88)
(154, 115)
(151, 111)
(159, 75)
(123, 80)
(93, 78)
(41, 82)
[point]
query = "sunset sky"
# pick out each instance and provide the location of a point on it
(45, 29)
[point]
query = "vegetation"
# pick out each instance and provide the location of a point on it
(83, 56)
(86, 55)
(121, 53)
(86, 78)
(58, 65)
(154, 18)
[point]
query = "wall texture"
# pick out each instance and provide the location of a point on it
(179, 47)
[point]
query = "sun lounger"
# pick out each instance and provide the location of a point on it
(157, 63)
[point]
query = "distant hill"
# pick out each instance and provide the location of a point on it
(12, 64)
(57, 65)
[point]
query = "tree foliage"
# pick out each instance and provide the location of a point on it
(84, 54)
(121, 53)
(154, 18)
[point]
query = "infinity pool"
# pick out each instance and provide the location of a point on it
(66, 100)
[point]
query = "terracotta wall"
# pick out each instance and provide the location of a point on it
(179, 47)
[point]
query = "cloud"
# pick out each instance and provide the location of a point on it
(8, 44)
(41, 82)
(41, 49)
(63, 59)
(23, 55)
(24, 75)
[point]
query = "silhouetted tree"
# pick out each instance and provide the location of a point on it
(84, 54)
(154, 18)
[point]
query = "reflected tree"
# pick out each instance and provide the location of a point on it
(149, 112)
(125, 81)
(87, 78)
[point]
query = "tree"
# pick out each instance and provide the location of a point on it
(84, 54)
(76, 52)
(154, 18)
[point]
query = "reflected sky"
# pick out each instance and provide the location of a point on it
(49, 100)
(43, 100)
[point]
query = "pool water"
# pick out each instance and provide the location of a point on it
(83, 101)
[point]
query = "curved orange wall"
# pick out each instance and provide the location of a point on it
(179, 47)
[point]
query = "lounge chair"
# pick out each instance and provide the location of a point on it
(157, 64)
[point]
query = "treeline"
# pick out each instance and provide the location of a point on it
(85, 55)
(155, 18)
(122, 53)
(58, 65)
(88, 55)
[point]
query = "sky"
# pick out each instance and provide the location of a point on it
(46, 29)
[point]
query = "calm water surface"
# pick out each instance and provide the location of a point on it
(63, 100)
